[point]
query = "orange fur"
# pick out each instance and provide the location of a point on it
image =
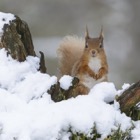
(70, 50)
(83, 59)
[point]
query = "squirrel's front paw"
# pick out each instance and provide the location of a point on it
(100, 73)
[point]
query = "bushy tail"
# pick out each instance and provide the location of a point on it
(69, 51)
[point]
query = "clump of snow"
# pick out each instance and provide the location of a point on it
(66, 82)
(5, 18)
(124, 87)
(23, 78)
(104, 91)
(28, 113)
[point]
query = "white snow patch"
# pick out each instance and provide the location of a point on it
(23, 78)
(5, 18)
(104, 91)
(66, 82)
(124, 87)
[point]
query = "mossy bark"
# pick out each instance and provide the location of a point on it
(129, 101)
(58, 94)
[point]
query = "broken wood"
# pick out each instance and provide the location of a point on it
(42, 68)
(58, 94)
(17, 40)
(129, 101)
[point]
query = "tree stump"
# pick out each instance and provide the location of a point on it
(17, 40)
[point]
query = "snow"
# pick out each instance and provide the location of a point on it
(28, 113)
(136, 131)
(5, 18)
(125, 86)
(66, 82)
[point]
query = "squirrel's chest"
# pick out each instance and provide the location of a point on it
(94, 64)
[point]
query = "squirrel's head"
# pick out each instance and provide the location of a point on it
(94, 46)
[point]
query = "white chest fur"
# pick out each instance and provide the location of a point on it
(95, 64)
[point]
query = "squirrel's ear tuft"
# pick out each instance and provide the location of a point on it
(87, 33)
(101, 34)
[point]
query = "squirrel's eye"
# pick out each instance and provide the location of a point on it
(86, 46)
(101, 45)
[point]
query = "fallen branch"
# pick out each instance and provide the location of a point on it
(129, 100)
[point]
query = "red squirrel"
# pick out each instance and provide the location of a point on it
(84, 59)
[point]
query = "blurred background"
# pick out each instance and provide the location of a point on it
(50, 20)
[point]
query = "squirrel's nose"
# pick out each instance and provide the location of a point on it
(93, 53)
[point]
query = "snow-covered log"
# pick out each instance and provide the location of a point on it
(129, 101)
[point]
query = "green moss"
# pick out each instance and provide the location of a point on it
(115, 135)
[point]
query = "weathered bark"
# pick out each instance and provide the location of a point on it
(42, 68)
(17, 40)
(59, 94)
(129, 101)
